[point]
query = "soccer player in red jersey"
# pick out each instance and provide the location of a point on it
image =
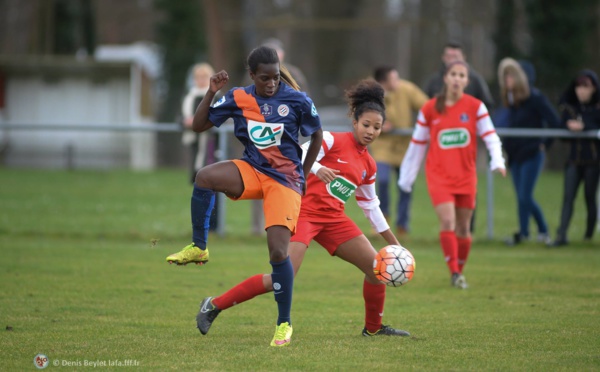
(343, 168)
(268, 116)
(450, 123)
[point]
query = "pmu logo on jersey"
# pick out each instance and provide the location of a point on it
(265, 135)
(266, 110)
(341, 189)
(454, 138)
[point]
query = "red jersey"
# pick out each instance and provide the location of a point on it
(340, 151)
(452, 155)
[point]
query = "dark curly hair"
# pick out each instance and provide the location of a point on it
(365, 96)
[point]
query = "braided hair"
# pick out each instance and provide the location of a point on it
(267, 56)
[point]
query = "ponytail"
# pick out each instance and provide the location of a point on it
(440, 100)
(287, 78)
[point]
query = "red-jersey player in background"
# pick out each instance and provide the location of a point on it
(451, 123)
(343, 167)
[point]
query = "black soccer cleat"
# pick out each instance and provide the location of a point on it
(386, 331)
(207, 315)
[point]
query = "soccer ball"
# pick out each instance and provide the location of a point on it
(394, 265)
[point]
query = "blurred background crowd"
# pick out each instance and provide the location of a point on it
(44, 44)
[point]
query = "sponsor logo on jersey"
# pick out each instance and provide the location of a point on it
(454, 138)
(464, 118)
(219, 102)
(341, 189)
(283, 110)
(313, 111)
(266, 110)
(265, 135)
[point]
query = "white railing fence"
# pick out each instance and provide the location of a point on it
(223, 145)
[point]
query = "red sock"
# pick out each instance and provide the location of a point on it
(374, 295)
(464, 247)
(246, 290)
(450, 248)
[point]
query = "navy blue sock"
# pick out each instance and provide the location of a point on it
(203, 201)
(283, 282)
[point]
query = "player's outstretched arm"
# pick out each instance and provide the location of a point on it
(201, 122)
(389, 237)
(313, 151)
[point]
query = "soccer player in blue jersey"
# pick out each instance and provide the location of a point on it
(268, 116)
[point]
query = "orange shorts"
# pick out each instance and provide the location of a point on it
(441, 195)
(330, 234)
(280, 203)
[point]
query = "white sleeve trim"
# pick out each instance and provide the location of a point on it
(328, 142)
(413, 158)
(367, 200)
(487, 132)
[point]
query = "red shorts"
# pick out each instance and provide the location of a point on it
(441, 195)
(330, 234)
(281, 204)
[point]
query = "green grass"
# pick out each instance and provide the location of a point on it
(81, 279)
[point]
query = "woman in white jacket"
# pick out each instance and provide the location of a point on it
(197, 143)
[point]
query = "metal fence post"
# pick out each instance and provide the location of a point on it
(222, 155)
(490, 203)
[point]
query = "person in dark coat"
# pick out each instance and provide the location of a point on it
(527, 108)
(579, 107)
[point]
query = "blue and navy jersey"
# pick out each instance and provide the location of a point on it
(268, 128)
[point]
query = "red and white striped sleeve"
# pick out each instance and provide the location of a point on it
(415, 154)
(326, 145)
(487, 132)
(367, 200)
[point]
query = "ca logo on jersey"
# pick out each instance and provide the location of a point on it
(454, 138)
(341, 189)
(265, 135)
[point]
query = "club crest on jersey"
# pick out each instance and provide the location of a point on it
(341, 189)
(219, 102)
(266, 110)
(464, 118)
(265, 135)
(283, 110)
(454, 138)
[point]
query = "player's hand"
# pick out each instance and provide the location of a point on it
(218, 81)
(327, 174)
(502, 171)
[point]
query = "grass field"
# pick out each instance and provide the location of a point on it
(83, 279)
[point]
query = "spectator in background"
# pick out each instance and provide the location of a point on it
(527, 108)
(257, 206)
(477, 87)
(197, 143)
(403, 100)
(295, 71)
(580, 110)
(201, 145)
